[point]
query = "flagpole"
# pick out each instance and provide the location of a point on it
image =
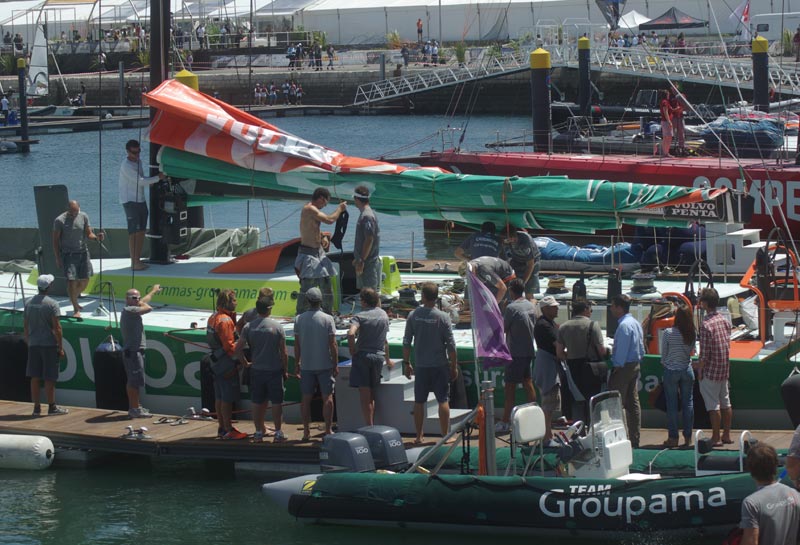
(476, 380)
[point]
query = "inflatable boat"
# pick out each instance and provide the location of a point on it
(590, 491)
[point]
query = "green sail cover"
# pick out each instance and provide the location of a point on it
(609, 507)
(545, 202)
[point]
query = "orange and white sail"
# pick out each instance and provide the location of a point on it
(194, 122)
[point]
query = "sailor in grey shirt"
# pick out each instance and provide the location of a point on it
(316, 359)
(366, 260)
(428, 328)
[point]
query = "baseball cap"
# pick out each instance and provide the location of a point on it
(548, 301)
(314, 295)
(44, 281)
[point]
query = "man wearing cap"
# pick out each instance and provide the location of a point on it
(366, 260)
(369, 350)
(435, 360)
(524, 257)
(43, 336)
(580, 341)
(316, 359)
(312, 264)
(546, 365)
(483, 243)
(133, 345)
(626, 361)
(71, 230)
(268, 366)
(494, 273)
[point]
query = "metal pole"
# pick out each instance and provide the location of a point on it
(121, 83)
(488, 396)
(159, 48)
(24, 145)
(440, 23)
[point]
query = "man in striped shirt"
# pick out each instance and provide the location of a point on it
(713, 367)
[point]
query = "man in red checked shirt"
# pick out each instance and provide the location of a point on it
(713, 367)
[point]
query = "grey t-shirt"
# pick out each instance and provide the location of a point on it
(491, 270)
(519, 319)
(775, 510)
(314, 328)
(130, 324)
(367, 225)
(481, 244)
(429, 329)
(373, 325)
(574, 333)
(522, 251)
(264, 336)
(72, 232)
(39, 313)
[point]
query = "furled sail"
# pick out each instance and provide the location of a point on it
(38, 79)
(225, 151)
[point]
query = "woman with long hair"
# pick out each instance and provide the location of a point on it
(677, 346)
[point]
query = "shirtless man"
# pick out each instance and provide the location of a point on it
(312, 265)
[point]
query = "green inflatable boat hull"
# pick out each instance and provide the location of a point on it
(526, 505)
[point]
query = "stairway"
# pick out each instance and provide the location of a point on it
(394, 403)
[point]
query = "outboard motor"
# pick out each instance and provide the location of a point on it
(790, 392)
(345, 451)
(386, 446)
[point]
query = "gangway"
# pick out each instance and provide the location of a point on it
(722, 71)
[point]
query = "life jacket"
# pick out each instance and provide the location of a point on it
(660, 318)
(212, 338)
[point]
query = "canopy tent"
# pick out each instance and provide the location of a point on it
(205, 139)
(630, 21)
(673, 19)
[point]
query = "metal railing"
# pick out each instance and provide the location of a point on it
(725, 71)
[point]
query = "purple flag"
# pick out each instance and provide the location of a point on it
(487, 324)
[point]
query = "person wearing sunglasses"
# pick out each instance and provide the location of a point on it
(132, 183)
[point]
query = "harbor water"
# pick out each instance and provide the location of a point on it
(135, 501)
(77, 161)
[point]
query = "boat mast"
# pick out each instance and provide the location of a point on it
(159, 49)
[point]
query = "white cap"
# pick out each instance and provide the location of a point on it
(44, 281)
(548, 301)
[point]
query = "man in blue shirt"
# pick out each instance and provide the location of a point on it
(626, 359)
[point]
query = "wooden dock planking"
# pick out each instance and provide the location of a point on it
(102, 430)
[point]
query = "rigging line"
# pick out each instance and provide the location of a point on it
(100, 42)
(473, 100)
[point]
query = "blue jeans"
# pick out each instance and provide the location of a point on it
(685, 381)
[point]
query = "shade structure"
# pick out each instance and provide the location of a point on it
(673, 19)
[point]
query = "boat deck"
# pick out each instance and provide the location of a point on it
(103, 431)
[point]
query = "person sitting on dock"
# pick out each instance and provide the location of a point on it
(132, 183)
(435, 359)
(525, 258)
(713, 367)
(369, 349)
(71, 230)
(220, 333)
(316, 359)
(485, 242)
(771, 514)
(312, 264)
(494, 273)
(268, 366)
(44, 339)
(134, 344)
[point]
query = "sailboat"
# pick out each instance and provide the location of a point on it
(38, 78)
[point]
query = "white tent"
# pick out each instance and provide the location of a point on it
(631, 21)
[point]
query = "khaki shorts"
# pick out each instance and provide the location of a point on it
(715, 394)
(551, 401)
